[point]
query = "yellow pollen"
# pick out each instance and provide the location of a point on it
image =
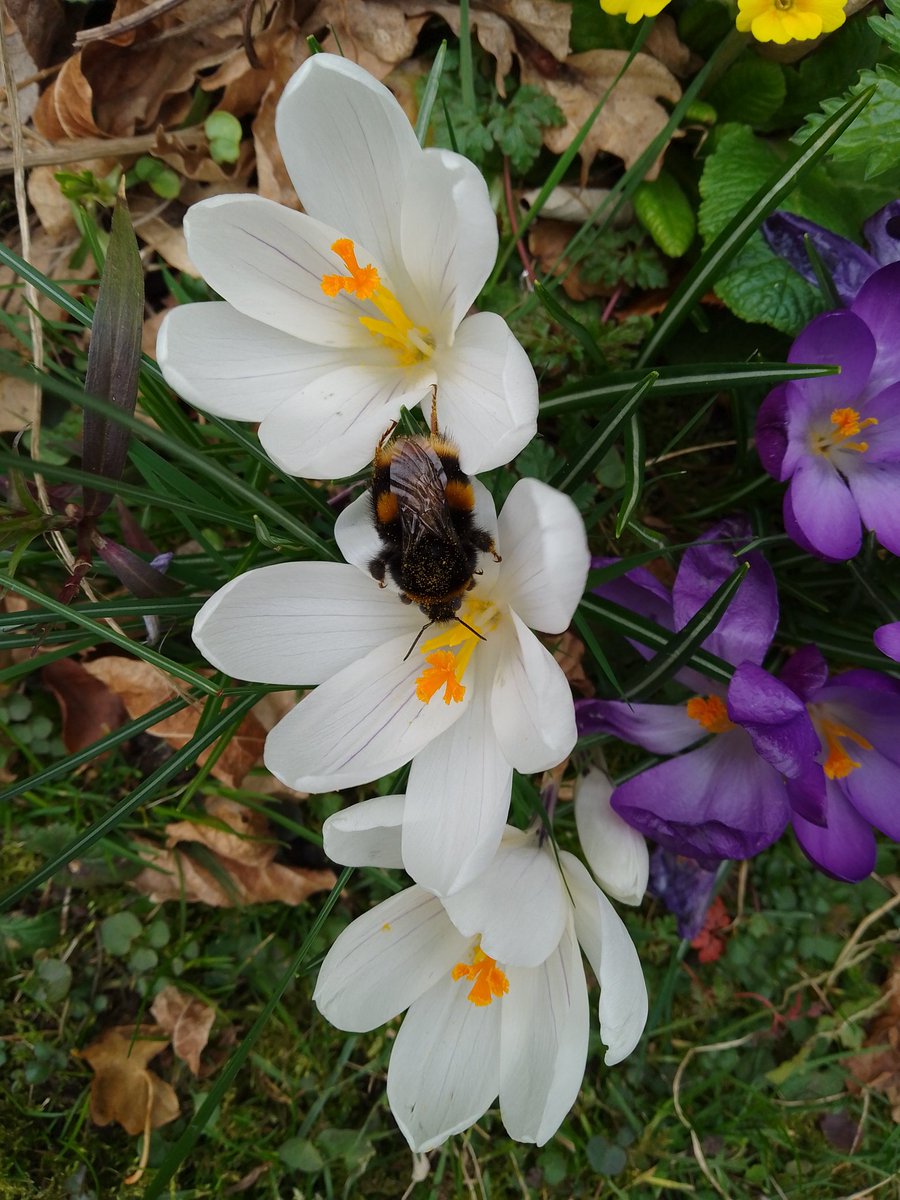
(845, 423)
(410, 343)
(710, 712)
(446, 667)
(386, 927)
(488, 981)
(838, 763)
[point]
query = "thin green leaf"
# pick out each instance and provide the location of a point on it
(704, 272)
(683, 645)
(587, 636)
(429, 95)
(104, 633)
(169, 769)
(466, 71)
(34, 665)
(570, 324)
(633, 461)
(594, 454)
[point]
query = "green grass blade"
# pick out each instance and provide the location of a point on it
(747, 221)
(198, 1123)
(172, 767)
(103, 633)
(633, 461)
(570, 324)
(466, 69)
(127, 606)
(429, 95)
(623, 411)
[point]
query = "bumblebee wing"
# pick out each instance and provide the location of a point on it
(418, 481)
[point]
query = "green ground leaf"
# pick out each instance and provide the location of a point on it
(752, 90)
(118, 931)
(666, 213)
(872, 138)
(833, 68)
(888, 26)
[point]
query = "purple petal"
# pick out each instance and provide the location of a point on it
(824, 509)
(805, 671)
(659, 728)
(771, 431)
(870, 681)
(684, 887)
(882, 232)
(748, 625)
(806, 794)
(878, 304)
(847, 264)
(874, 791)
(719, 801)
(640, 592)
(795, 533)
(846, 848)
(775, 718)
(884, 438)
(876, 490)
(871, 712)
(842, 338)
(887, 639)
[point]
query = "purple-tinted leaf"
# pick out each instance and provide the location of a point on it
(684, 887)
(142, 579)
(848, 264)
(114, 357)
(882, 232)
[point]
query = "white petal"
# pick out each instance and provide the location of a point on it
(614, 960)
(449, 237)
(348, 146)
(332, 428)
(359, 725)
(366, 834)
(616, 853)
(445, 1066)
(487, 393)
(268, 262)
(227, 364)
(531, 706)
(457, 797)
(386, 959)
(297, 623)
(543, 1043)
(519, 905)
(545, 555)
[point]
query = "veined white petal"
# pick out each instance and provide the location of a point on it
(386, 959)
(487, 393)
(531, 705)
(457, 797)
(357, 537)
(543, 1043)
(297, 623)
(616, 853)
(519, 905)
(366, 834)
(449, 238)
(227, 364)
(545, 555)
(445, 1065)
(362, 723)
(614, 960)
(268, 262)
(331, 429)
(348, 146)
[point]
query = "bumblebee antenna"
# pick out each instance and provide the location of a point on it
(427, 625)
(480, 636)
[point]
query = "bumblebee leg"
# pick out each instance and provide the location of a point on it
(387, 433)
(377, 569)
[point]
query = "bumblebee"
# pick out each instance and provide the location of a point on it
(423, 508)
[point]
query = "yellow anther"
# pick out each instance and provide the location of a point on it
(845, 423)
(838, 763)
(446, 666)
(710, 712)
(488, 981)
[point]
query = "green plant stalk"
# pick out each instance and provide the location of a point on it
(429, 95)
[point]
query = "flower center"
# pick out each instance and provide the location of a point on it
(845, 424)
(488, 981)
(710, 712)
(784, 5)
(838, 763)
(447, 666)
(410, 343)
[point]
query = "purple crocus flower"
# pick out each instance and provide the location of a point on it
(684, 887)
(848, 264)
(836, 439)
(727, 797)
(887, 639)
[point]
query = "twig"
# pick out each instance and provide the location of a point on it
(661, 458)
(100, 33)
(848, 947)
(527, 264)
(122, 147)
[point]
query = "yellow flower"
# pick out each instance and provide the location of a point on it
(789, 20)
(633, 9)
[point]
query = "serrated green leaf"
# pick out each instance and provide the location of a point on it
(666, 213)
(888, 26)
(752, 90)
(872, 138)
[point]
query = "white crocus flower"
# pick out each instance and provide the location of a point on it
(492, 977)
(466, 709)
(616, 853)
(335, 317)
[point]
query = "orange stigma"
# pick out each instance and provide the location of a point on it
(441, 673)
(838, 763)
(845, 423)
(710, 712)
(488, 981)
(361, 282)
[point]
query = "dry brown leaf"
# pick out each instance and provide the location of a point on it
(18, 403)
(881, 1070)
(631, 117)
(187, 1021)
(123, 1088)
(142, 687)
(53, 210)
(245, 838)
(568, 650)
(547, 241)
(42, 26)
(89, 709)
(155, 231)
(377, 34)
(665, 45)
